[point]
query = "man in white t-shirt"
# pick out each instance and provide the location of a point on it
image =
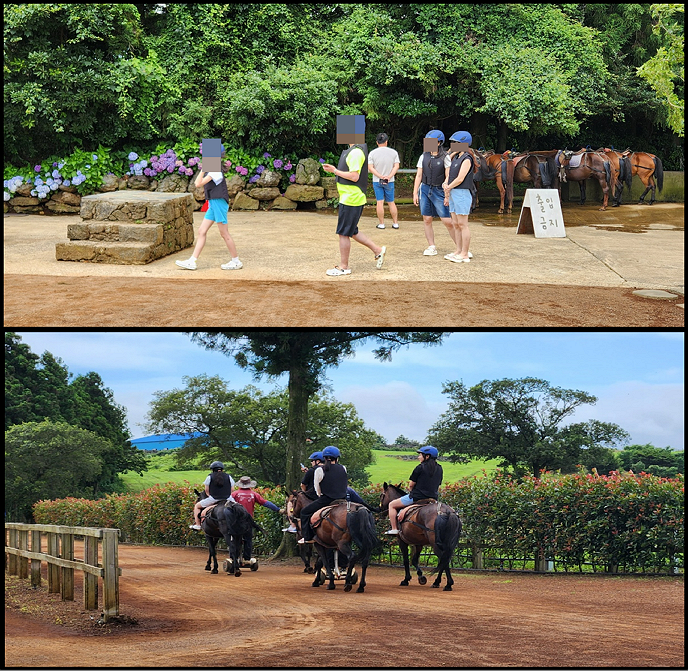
(383, 163)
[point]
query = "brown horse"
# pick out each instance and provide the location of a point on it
(621, 167)
(543, 168)
(493, 170)
(482, 170)
(295, 501)
(336, 527)
(435, 524)
(648, 167)
(592, 164)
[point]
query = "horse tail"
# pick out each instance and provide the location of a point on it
(361, 526)
(447, 532)
(659, 172)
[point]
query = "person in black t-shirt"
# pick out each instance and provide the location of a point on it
(424, 483)
(331, 482)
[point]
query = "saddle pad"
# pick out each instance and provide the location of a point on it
(405, 512)
(575, 161)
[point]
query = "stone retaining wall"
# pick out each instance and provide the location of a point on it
(310, 187)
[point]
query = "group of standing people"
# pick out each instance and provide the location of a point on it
(443, 188)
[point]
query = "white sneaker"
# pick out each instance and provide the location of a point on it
(290, 530)
(195, 526)
(430, 251)
(392, 532)
(232, 265)
(381, 226)
(188, 264)
(395, 225)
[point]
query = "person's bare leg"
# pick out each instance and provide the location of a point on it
(344, 250)
(429, 232)
(380, 209)
(365, 240)
(201, 237)
(224, 232)
(394, 212)
(450, 227)
(463, 235)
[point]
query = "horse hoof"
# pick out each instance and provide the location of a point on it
(207, 568)
(214, 571)
(330, 587)
(404, 583)
(422, 580)
(237, 574)
(434, 585)
(360, 589)
(347, 588)
(448, 588)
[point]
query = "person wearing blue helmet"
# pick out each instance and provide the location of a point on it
(424, 483)
(427, 187)
(307, 487)
(331, 482)
(459, 189)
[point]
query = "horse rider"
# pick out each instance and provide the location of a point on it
(424, 483)
(330, 482)
(218, 487)
(245, 495)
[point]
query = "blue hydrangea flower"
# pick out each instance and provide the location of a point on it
(67, 183)
(55, 173)
(95, 157)
(133, 156)
(7, 195)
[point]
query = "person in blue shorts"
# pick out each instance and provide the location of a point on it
(383, 163)
(216, 193)
(459, 190)
(427, 187)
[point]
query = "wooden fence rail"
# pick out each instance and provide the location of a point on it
(23, 542)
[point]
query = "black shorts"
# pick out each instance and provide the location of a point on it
(347, 219)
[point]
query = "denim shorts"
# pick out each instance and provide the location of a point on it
(384, 191)
(460, 201)
(431, 202)
(217, 210)
(406, 500)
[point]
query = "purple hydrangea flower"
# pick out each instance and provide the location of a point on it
(55, 164)
(253, 179)
(266, 155)
(292, 178)
(37, 168)
(189, 172)
(277, 164)
(147, 172)
(170, 168)
(260, 169)
(322, 160)
(288, 165)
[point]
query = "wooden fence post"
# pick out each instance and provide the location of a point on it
(23, 544)
(12, 564)
(53, 569)
(67, 591)
(110, 574)
(35, 563)
(90, 580)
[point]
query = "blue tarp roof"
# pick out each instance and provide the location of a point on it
(164, 437)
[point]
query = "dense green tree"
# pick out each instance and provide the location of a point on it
(49, 460)
(247, 429)
(520, 422)
(660, 461)
(21, 381)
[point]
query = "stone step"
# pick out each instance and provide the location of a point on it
(125, 253)
(116, 232)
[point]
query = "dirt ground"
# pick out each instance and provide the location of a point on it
(585, 279)
(175, 614)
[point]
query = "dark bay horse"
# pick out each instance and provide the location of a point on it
(543, 168)
(336, 527)
(228, 520)
(295, 501)
(435, 524)
(594, 165)
(648, 167)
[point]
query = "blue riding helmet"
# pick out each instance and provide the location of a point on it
(429, 450)
(461, 136)
(437, 134)
(217, 464)
(331, 451)
(316, 455)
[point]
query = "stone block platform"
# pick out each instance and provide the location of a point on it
(129, 227)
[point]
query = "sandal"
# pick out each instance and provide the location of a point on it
(337, 271)
(380, 258)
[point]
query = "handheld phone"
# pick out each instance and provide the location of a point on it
(302, 466)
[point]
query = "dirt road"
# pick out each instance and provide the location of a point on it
(585, 279)
(274, 618)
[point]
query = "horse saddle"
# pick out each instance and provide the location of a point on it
(206, 511)
(575, 160)
(409, 510)
(319, 515)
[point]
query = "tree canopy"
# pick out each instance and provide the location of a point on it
(521, 422)
(247, 429)
(273, 77)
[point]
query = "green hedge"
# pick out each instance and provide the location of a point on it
(622, 522)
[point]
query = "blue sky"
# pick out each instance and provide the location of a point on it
(637, 376)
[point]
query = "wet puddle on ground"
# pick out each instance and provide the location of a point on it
(631, 218)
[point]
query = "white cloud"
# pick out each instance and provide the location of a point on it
(651, 413)
(393, 409)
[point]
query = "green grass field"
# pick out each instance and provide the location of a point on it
(387, 467)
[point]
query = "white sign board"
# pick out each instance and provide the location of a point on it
(541, 214)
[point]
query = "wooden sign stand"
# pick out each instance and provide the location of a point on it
(541, 214)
